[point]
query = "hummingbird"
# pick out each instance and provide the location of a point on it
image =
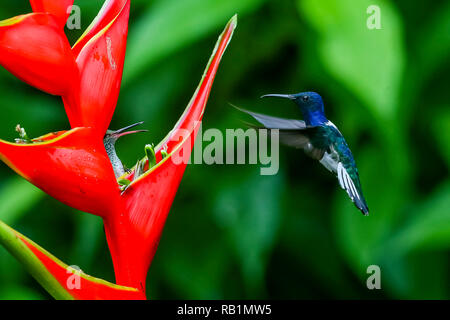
(110, 140)
(320, 139)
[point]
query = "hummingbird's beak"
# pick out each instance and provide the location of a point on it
(123, 132)
(285, 96)
(118, 135)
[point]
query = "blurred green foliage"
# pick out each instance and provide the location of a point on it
(235, 234)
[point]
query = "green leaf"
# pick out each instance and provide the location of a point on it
(415, 276)
(88, 239)
(192, 279)
(441, 132)
(13, 292)
(433, 42)
(17, 196)
(368, 62)
(429, 226)
(249, 210)
(362, 238)
(169, 25)
(415, 256)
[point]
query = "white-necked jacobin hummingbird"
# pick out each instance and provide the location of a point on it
(110, 140)
(320, 139)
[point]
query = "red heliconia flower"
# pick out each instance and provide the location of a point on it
(100, 56)
(34, 44)
(34, 48)
(60, 8)
(133, 231)
(73, 166)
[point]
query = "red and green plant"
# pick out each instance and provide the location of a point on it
(73, 166)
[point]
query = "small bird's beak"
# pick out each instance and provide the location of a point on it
(123, 132)
(285, 96)
(128, 132)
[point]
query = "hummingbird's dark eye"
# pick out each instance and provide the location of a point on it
(305, 98)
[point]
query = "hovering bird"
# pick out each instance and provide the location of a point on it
(320, 139)
(110, 140)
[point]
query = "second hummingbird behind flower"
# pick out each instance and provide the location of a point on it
(110, 140)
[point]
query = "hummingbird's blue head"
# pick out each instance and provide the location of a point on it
(308, 101)
(310, 104)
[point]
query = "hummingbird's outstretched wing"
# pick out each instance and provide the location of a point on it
(293, 133)
(274, 122)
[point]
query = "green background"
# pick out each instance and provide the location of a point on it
(231, 233)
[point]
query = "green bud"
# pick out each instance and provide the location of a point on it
(124, 182)
(150, 153)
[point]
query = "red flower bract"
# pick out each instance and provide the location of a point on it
(35, 49)
(100, 56)
(33, 44)
(73, 166)
(59, 8)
